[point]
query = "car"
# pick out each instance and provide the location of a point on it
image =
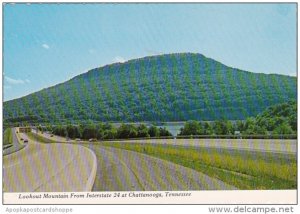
(22, 139)
(77, 139)
(92, 140)
(25, 141)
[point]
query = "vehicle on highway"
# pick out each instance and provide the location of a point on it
(92, 140)
(22, 139)
(25, 141)
(78, 139)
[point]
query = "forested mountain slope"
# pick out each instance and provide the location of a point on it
(172, 87)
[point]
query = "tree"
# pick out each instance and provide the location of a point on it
(110, 133)
(106, 131)
(207, 129)
(222, 127)
(142, 131)
(283, 128)
(73, 131)
(127, 131)
(163, 132)
(60, 130)
(153, 131)
(250, 123)
(191, 128)
(89, 131)
(100, 134)
(255, 130)
(293, 121)
(240, 126)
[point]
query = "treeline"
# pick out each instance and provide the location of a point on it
(276, 120)
(104, 131)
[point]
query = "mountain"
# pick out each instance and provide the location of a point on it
(171, 87)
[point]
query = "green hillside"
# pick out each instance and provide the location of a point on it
(173, 87)
(275, 121)
(281, 119)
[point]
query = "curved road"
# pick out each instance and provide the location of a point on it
(49, 168)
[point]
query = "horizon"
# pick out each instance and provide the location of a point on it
(56, 48)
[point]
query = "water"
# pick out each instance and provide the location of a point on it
(174, 129)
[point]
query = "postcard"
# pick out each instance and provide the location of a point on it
(149, 103)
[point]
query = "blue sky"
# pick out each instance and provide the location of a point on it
(46, 44)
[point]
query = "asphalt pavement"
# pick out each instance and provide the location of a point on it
(42, 167)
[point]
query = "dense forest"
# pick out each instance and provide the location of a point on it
(172, 87)
(276, 120)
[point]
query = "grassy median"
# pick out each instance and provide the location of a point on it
(40, 139)
(246, 170)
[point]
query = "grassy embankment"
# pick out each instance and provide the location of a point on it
(39, 138)
(243, 169)
(7, 137)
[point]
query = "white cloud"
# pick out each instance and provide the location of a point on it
(45, 46)
(16, 81)
(119, 59)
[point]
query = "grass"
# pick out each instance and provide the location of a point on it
(39, 138)
(246, 170)
(7, 137)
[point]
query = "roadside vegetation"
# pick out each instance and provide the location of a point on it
(242, 169)
(105, 131)
(7, 137)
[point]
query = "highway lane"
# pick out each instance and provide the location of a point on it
(284, 146)
(49, 168)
